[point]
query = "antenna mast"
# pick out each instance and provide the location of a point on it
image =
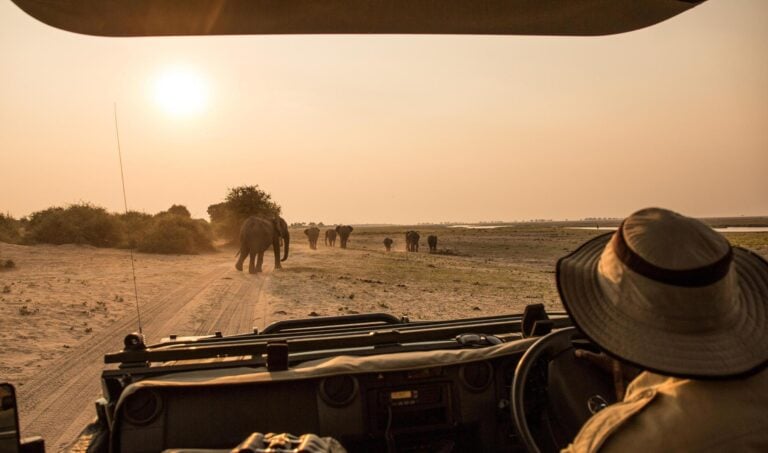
(125, 203)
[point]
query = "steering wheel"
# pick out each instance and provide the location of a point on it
(554, 393)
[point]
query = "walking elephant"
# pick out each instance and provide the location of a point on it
(388, 243)
(432, 242)
(312, 233)
(344, 231)
(257, 234)
(412, 241)
(330, 238)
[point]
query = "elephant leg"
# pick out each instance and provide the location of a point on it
(243, 253)
(251, 265)
(259, 262)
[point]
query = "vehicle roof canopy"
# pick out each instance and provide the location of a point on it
(228, 17)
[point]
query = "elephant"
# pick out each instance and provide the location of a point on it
(257, 234)
(388, 243)
(344, 231)
(330, 238)
(412, 241)
(432, 241)
(312, 233)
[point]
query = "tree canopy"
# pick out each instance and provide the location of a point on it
(239, 204)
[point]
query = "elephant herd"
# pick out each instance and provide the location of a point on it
(412, 242)
(342, 231)
(257, 234)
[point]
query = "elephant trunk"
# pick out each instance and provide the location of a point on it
(286, 240)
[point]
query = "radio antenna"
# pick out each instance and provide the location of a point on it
(125, 204)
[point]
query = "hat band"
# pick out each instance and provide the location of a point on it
(689, 278)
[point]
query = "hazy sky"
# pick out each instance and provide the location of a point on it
(394, 129)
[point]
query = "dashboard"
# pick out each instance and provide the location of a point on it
(455, 407)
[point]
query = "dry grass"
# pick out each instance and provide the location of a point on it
(486, 272)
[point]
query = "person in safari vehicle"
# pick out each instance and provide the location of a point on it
(668, 294)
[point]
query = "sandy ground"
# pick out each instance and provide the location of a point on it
(63, 307)
(60, 295)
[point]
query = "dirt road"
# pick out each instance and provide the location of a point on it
(58, 402)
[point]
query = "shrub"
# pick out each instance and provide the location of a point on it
(134, 226)
(9, 229)
(76, 224)
(169, 233)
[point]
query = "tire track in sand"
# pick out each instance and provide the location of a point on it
(58, 403)
(236, 306)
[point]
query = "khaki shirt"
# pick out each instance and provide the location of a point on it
(661, 413)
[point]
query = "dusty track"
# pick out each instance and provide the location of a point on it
(58, 402)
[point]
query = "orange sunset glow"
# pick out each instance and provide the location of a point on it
(401, 129)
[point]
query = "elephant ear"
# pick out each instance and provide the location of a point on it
(350, 229)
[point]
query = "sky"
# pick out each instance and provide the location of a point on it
(394, 129)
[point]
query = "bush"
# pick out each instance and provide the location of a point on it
(169, 233)
(76, 224)
(9, 229)
(172, 231)
(239, 204)
(134, 226)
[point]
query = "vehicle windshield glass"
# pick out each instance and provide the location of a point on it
(510, 150)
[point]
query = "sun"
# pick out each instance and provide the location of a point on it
(181, 92)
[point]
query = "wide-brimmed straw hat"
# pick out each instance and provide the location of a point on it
(668, 293)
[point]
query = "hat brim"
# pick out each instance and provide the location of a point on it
(729, 351)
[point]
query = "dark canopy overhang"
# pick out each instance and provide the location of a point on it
(230, 17)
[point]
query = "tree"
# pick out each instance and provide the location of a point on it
(180, 210)
(246, 201)
(239, 204)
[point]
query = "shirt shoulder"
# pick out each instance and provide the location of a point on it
(671, 414)
(602, 425)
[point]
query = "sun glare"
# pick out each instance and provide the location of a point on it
(181, 92)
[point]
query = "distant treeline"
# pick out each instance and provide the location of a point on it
(170, 231)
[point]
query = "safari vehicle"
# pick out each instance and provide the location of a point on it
(373, 382)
